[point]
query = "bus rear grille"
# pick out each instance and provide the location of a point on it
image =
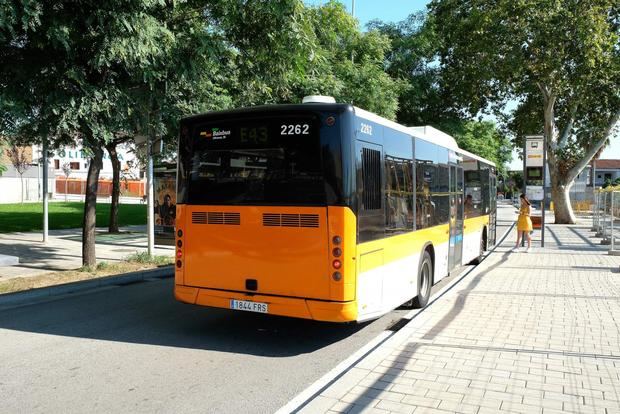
(215, 217)
(290, 220)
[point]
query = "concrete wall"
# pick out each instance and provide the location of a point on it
(11, 185)
(11, 189)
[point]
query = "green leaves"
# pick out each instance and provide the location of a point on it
(560, 51)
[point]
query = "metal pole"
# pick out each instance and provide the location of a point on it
(612, 220)
(593, 207)
(150, 222)
(604, 224)
(39, 198)
(597, 202)
(524, 184)
(544, 202)
(45, 191)
(352, 15)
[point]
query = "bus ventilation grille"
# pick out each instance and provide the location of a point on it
(215, 217)
(290, 220)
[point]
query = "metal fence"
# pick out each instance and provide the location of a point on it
(129, 188)
(606, 217)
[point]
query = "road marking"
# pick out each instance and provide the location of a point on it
(315, 389)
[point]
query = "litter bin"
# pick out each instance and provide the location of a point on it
(536, 222)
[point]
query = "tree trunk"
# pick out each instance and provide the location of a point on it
(21, 180)
(116, 187)
(66, 178)
(560, 184)
(89, 257)
(561, 203)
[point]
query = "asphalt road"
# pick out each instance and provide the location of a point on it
(134, 348)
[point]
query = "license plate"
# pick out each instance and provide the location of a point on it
(246, 305)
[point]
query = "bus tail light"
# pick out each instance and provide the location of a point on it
(179, 251)
(336, 253)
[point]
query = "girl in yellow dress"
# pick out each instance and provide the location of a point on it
(524, 223)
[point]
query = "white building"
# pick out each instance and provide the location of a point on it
(77, 162)
(29, 186)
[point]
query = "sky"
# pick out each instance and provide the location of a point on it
(385, 10)
(398, 10)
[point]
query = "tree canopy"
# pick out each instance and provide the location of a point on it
(558, 59)
(99, 73)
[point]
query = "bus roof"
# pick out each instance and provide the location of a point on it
(426, 133)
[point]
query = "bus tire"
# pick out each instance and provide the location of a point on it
(483, 248)
(425, 281)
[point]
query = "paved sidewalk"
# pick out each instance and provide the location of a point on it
(534, 332)
(64, 249)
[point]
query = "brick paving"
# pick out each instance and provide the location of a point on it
(534, 332)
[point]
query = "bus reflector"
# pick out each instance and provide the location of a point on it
(180, 233)
(179, 254)
(337, 276)
(337, 240)
(337, 252)
(337, 264)
(179, 264)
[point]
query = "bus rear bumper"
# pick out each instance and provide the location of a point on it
(327, 311)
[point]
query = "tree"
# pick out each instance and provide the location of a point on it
(280, 51)
(83, 69)
(482, 138)
(3, 154)
(349, 64)
(19, 158)
(560, 57)
(116, 183)
(411, 60)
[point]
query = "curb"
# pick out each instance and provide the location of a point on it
(19, 298)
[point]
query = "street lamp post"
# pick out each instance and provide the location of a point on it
(45, 192)
(544, 202)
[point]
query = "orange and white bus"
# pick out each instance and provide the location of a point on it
(323, 211)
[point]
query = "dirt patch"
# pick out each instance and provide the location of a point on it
(58, 278)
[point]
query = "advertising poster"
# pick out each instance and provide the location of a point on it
(165, 201)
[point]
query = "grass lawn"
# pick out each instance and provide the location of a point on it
(64, 215)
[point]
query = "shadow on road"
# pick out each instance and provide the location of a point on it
(147, 313)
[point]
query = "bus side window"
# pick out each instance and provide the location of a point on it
(371, 217)
(371, 179)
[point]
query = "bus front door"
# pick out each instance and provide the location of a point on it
(455, 252)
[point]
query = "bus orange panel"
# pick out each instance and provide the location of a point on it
(266, 250)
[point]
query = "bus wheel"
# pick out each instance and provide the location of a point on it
(425, 281)
(483, 248)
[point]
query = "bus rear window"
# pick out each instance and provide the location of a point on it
(256, 162)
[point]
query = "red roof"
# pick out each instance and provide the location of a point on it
(607, 164)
